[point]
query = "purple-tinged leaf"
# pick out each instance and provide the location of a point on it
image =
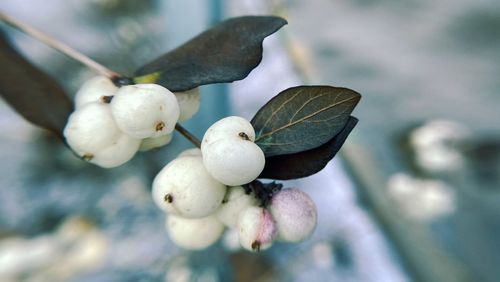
(224, 53)
(302, 118)
(31, 92)
(308, 162)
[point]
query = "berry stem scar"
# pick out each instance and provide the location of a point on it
(244, 136)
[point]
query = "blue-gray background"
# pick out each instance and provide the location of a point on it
(413, 61)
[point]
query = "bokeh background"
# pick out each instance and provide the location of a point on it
(413, 196)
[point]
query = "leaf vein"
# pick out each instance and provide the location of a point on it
(274, 112)
(306, 103)
(305, 118)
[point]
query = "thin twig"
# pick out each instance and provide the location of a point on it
(59, 46)
(188, 135)
(65, 49)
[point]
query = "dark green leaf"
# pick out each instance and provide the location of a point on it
(302, 118)
(308, 162)
(31, 92)
(224, 53)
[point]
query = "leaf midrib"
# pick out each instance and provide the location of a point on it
(304, 118)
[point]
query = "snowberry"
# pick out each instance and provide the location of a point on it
(226, 127)
(91, 128)
(194, 233)
(155, 142)
(190, 152)
(185, 188)
(145, 110)
(236, 201)
(233, 162)
(94, 90)
(189, 103)
(93, 134)
(118, 153)
(256, 228)
(229, 153)
(295, 214)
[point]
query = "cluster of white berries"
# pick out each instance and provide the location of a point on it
(201, 192)
(110, 124)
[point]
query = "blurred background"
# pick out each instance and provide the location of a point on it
(413, 196)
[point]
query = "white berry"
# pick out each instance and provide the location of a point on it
(155, 142)
(185, 188)
(233, 162)
(194, 233)
(145, 110)
(189, 103)
(118, 153)
(295, 214)
(230, 126)
(93, 134)
(94, 90)
(91, 128)
(236, 201)
(229, 153)
(256, 229)
(190, 152)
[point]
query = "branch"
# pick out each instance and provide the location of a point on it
(188, 135)
(67, 50)
(59, 46)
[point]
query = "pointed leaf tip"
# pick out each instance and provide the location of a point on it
(226, 52)
(301, 118)
(306, 163)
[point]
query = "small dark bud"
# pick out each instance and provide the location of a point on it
(88, 157)
(169, 198)
(244, 136)
(106, 99)
(256, 246)
(160, 126)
